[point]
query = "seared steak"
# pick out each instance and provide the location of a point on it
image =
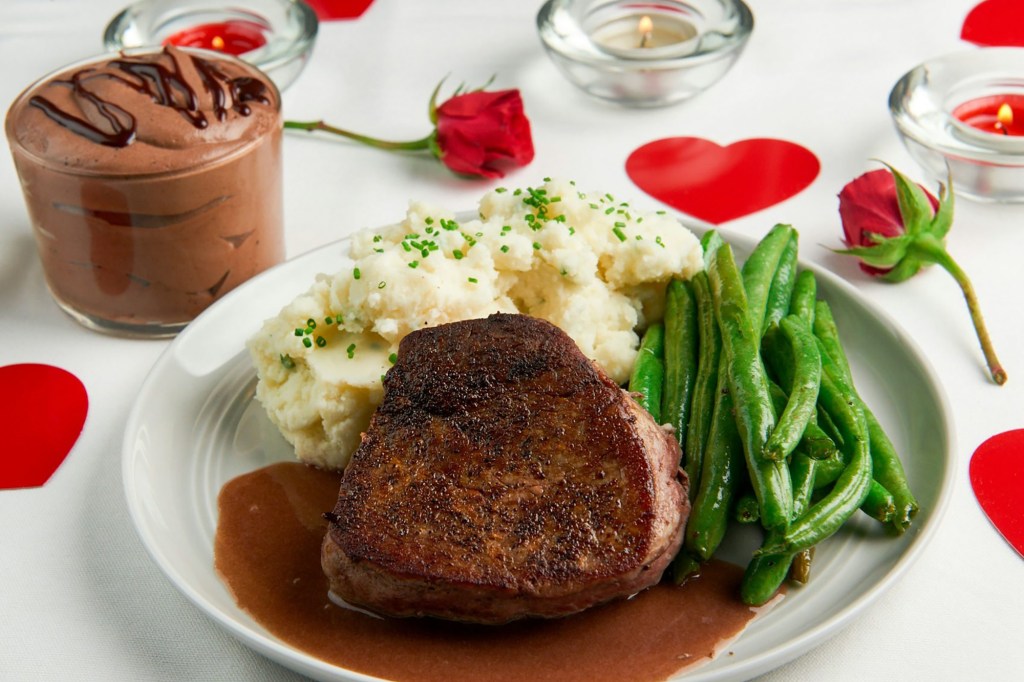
(503, 476)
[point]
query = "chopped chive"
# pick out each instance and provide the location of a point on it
(472, 280)
(504, 248)
(376, 238)
(393, 358)
(414, 264)
(500, 190)
(381, 284)
(320, 342)
(428, 220)
(328, 320)
(657, 240)
(458, 254)
(306, 342)
(351, 350)
(405, 245)
(356, 274)
(299, 332)
(619, 233)
(536, 246)
(287, 362)
(547, 179)
(378, 250)
(609, 210)
(620, 224)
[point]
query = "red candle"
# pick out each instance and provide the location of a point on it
(233, 37)
(996, 114)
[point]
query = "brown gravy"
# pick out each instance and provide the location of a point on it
(267, 550)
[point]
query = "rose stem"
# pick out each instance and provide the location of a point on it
(938, 254)
(310, 126)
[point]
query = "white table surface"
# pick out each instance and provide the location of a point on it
(79, 597)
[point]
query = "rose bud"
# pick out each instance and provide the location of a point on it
(476, 133)
(895, 227)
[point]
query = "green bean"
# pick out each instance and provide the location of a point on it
(828, 470)
(746, 509)
(802, 469)
(748, 384)
(828, 333)
(682, 567)
(814, 443)
(879, 503)
(887, 465)
(889, 472)
(851, 488)
(680, 356)
(800, 569)
(722, 471)
(781, 291)
(648, 375)
(710, 243)
(759, 271)
(702, 403)
(803, 394)
(805, 293)
(764, 574)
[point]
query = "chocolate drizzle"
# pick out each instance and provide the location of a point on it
(166, 86)
(122, 124)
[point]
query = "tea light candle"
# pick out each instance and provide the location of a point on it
(644, 54)
(276, 36)
(996, 114)
(233, 37)
(961, 115)
(644, 36)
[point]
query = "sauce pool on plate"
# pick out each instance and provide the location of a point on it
(267, 551)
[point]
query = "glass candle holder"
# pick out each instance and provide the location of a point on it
(962, 116)
(152, 182)
(644, 54)
(276, 36)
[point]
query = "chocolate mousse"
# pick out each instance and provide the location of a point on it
(153, 182)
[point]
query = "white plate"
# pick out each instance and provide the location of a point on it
(196, 425)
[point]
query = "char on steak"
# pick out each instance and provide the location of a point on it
(503, 476)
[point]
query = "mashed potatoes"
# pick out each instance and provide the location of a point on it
(590, 264)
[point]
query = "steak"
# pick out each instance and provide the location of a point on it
(503, 476)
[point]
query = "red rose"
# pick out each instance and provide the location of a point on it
(475, 133)
(479, 133)
(896, 227)
(869, 208)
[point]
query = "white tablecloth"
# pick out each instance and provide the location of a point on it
(80, 598)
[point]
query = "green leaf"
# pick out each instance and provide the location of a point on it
(943, 219)
(885, 253)
(915, 207)
(905, 269)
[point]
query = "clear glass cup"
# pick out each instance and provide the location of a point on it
(138, 239)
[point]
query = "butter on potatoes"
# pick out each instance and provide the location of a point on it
(587, 262)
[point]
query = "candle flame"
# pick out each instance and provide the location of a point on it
(217, 43)
(645, 26)
(1005, 114)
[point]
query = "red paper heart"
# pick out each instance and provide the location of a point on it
(995, 23)
(42, 411)
(326, 10)
(715, 183)
(997, 476)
